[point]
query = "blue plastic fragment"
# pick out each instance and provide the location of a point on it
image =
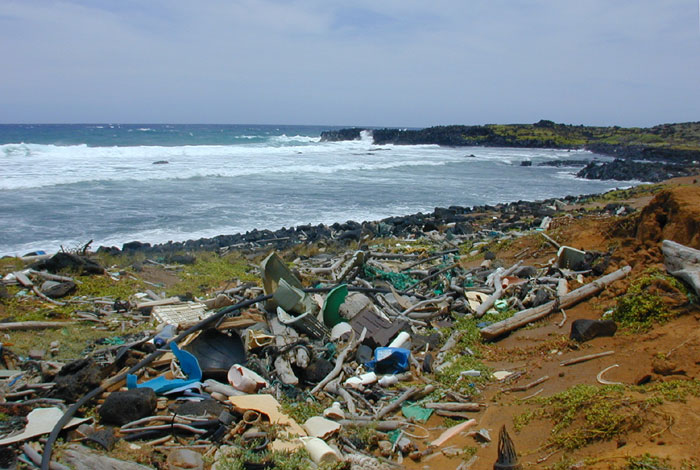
(188, 364)
(14, 380)
(389, 361)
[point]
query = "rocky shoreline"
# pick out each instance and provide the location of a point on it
(453, 220)
(673, 153)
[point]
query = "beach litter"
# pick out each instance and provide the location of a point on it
(343, 341)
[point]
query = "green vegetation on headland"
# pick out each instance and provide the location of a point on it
(672, 142)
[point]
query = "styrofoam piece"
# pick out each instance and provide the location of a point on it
(318, 426)
(319, 451)
(41, 421)
(361, 380)
(334, 412)
(402, 340)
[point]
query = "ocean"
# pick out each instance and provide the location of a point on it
(64, 185)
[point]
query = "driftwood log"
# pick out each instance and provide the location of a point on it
(529, 315)
(522, 388)
(34, 325)
(451, 406)
(578, 360)
(340, 360)
(35, 457)
(26, 282)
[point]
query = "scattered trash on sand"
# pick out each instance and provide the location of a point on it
(333, 357)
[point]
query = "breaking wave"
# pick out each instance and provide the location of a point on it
(36, 165)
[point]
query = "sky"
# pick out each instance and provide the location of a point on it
(396, 63)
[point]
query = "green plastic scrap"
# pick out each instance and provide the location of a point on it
(416, 412)
(394, 435)
(334, 299)
(115, 340)
(399, 280)
(468, 282)
(329, 351)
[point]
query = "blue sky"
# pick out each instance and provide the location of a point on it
(374, 63)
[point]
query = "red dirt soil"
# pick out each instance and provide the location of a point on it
(667, 352)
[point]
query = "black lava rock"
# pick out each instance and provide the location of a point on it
(542, 296)
(76, 379)
(199, 408)
(526, 272)
(316, 371)
(182, 259)
(427, 365)
(69, 262)
(124, 407)
(135, 246)
(585, 330)
(341, 134)
(622, 170)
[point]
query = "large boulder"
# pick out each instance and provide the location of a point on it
(624, 170)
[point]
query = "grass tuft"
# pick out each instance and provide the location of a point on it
(649, 299)
(212, 271)
(585, 413)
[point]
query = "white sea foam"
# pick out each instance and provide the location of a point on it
(165, 234)
(255, 182)
(284, 139)
(33, 165)
(366, 136)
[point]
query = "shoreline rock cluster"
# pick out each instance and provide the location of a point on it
(623, 170)
(455, 220)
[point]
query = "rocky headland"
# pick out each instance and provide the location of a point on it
(677, 146)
